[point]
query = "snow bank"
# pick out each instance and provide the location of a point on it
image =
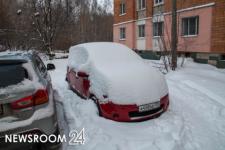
(61, 55)
(118, 72)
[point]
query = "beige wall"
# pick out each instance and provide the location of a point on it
(199, 43)
(130, 34)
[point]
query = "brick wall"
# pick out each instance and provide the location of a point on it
(218, 27)
(130, 11)
(149, 8)
(185, 3)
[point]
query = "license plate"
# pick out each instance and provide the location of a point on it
(1, 110)
(148, 107)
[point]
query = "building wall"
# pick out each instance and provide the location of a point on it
(181, 4)
(211, 37)
(148, 35)
(130, 11)
(149, 8)
(198, 43)
(130, 34)
(218, 20)
(140, 41)
(218, 27)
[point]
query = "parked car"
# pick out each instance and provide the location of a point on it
(26, 98)
(123, 86)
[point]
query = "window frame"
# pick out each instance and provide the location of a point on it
(156, 29)
(157, 3)
(140, 5)
(122, 8)
(141, 31)
(188, 34)
(122, 33)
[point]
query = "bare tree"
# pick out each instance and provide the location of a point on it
(45, 16)
(53, 24)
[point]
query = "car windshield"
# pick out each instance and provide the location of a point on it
(11, 74)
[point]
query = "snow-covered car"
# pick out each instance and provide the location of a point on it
(26, 98)
(123, 86)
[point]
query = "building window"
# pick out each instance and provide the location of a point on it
(158, 2)
(190, 26)
(122, 33)
(158, 29)
(141, 4)
(141, 31)
(122, 8)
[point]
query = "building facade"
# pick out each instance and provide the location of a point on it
(145, 25)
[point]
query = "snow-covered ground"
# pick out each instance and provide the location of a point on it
(195, 119)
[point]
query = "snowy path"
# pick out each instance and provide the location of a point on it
(195, 120)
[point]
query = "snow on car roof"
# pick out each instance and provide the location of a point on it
(15, 55)
(118, 72)
(101, 54)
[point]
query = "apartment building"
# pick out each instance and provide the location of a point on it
(145, 25)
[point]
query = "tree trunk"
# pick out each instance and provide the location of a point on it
(174, 35)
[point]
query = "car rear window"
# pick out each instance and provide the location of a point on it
(11, 74)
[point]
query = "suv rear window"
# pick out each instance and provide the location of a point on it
(11, 74)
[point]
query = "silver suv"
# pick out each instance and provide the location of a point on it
(26, 98)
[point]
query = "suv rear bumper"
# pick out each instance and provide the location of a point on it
(45, 126)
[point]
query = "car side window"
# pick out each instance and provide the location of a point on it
(40, 65)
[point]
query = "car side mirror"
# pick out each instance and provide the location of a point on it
(50, 66)
(82, 74)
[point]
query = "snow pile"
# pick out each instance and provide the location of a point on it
(195, 120)
(118, 72)
(61, 55)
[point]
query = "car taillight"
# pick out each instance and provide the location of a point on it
(23, 103)
(40, 97)
(165, 98)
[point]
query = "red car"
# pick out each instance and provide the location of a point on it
(123, 86)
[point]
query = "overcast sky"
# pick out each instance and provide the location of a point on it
(102, 1)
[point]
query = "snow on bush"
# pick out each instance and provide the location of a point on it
(118, 72)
